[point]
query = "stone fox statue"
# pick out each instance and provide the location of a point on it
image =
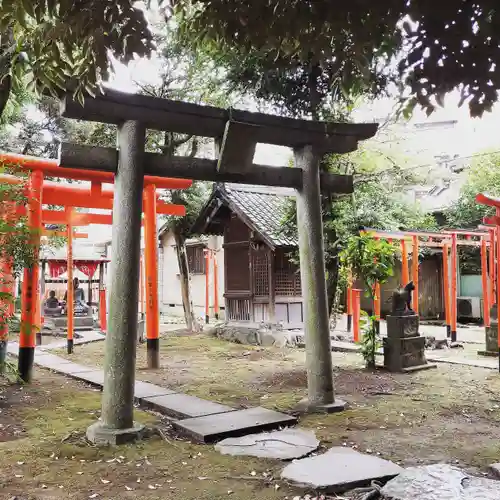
(401, 300)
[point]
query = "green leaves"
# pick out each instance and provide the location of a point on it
(370, 259)
(67, 42)
(456, 46)
(482, 176)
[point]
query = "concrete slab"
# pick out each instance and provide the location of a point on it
(286, 444)
(95, 377)
(233, 424)
(71, 368)
(146, 390)
(338, 470)
(48, 360)
(184, 406)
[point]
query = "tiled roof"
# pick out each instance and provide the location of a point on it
(266, 209)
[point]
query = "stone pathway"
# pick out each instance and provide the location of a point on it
(337, 470)
(202, 420)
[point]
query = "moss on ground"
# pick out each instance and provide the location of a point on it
(51, 459)
(448, 414)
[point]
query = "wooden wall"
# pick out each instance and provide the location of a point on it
(431, 303)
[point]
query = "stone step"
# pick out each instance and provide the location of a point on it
(180, 406)
(213, 428)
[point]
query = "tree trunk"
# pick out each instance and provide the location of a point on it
(187, 302)
(6, 42)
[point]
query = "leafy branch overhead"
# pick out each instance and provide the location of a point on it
(430, 51)
(65, 44)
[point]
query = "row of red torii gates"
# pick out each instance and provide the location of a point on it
(39, 192)
(485, 238)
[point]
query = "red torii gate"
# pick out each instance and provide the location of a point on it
(494, 220)
(95, 197)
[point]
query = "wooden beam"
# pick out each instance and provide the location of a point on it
(77, 156)
(207, 121)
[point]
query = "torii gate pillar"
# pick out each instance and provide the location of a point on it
(320, 391)
(116, 425)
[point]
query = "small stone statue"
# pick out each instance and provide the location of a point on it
(401, 300)
(409, 288)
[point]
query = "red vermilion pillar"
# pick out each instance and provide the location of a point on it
(356, 312)
(30, 280)
(216, 286)
(349, 302)
(484, 199)
(415, 273)
(446, 289)
(405, 274)
(151, 272)
(207, 286)
(70, 294)
(484, 279)
(453, 297)
(492, 267)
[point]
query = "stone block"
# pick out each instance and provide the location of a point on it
(184, 406)
(338, 470)
(495, 469)
(494, 313)
(491, 337)
(236, 423)
(402, 353)
(73, 368)
(102, 435)
(146, 390)
(402, 326)
(305, 406)
(286, 444)
(94, 377)
(440, 482)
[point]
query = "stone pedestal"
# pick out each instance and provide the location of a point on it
(404, 348)
(491, 334)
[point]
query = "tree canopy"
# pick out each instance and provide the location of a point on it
(483, 176)
(430, 51)
(66, 44)
(427, 50)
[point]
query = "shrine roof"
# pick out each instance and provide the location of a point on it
(262, 209)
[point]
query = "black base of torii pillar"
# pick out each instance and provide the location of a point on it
(116, 425)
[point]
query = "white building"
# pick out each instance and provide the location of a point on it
(169, 286)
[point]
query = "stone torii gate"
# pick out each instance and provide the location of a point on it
(236, 134)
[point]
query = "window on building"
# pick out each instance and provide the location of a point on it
(196, 259)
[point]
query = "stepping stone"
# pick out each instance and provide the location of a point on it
(50, 361)
(94, 377)
(73, 368)
(146, 390)
(439, 482)
(338, 470)
(178, 405)
(235, 423)
(283, 445)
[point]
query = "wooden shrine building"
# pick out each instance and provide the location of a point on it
(261, 284)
